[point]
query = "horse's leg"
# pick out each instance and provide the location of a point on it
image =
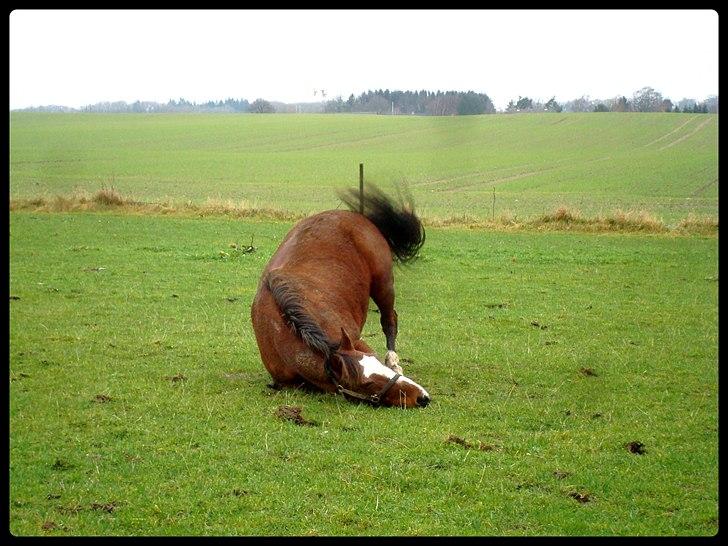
(383, 296)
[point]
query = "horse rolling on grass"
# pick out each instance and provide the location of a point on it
(313, 298)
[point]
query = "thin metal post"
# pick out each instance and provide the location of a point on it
(493, 203)
(361, 188)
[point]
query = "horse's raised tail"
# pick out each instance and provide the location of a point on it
(395, 219)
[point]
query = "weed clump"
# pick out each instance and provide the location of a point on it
(109, 197)
(704, 225)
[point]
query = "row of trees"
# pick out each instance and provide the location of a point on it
(644, 100)
(437, 103)
(181, 105)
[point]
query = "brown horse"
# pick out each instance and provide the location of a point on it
(313, 299)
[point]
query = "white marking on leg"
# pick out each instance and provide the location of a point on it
(391, 360)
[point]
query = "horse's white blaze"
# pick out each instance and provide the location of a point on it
(371, 365)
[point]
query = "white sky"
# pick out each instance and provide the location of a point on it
(79, 57)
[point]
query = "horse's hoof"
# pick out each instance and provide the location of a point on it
(392, 361)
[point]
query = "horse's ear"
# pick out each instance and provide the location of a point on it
(346, 344)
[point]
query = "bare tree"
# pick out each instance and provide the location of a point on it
(260, 106)
(647, 100)
(582, 104)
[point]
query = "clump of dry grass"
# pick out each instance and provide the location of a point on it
(704, 225)
(563, 214)
(639, 220)
(633, 221)
(506, 220)
(109, 197)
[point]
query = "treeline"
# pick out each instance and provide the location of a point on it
(644, 100)
(423, 103)
(181, 105)
(427, 103)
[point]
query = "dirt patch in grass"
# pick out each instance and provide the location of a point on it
(105, 506)
(638, 448)
(453, 439)
(102, 399)
(581, 497)
(293, 413)
(49, 526)
(588, 372)
(97, 506)
(176, 378)
(70, 510)
(60, 464)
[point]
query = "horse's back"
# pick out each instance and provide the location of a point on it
(325, 239)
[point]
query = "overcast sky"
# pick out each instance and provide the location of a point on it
(79, 57)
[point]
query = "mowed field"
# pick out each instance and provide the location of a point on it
(665, 164)
(573, 375)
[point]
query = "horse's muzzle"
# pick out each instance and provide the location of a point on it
(422, 401)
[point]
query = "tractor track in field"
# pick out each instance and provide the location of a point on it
(684, 137)
(498, 180)
(503, 179)
(462, 176)
(704, 187)
(675, 130)
(355, 141)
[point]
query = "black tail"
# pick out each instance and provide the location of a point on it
(289, 302)
(395, 219)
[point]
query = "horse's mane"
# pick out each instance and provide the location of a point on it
(289, 302)
(288, 299)
(394, 218)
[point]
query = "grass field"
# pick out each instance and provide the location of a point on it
(665, 164)
(138, 402)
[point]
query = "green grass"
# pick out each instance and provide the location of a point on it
(665, 164)
(501, 328)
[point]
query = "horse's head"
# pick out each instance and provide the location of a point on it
(361, 375)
